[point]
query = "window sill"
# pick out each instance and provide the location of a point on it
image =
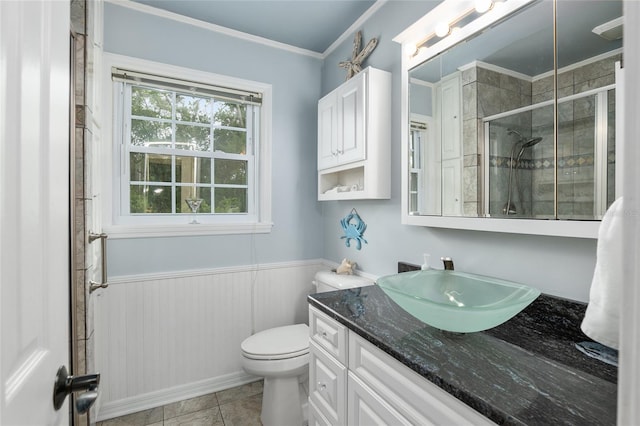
(185, 230)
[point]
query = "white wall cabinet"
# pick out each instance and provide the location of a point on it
(354, 138)
(375, 388)
(341, 124)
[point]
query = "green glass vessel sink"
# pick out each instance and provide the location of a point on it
(456, 301)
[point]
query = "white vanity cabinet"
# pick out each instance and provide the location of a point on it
(327, 369)
(354, 138)
(367, 408)
(407, 395)
(371, 387)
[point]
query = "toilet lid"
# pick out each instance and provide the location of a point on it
(277, 343)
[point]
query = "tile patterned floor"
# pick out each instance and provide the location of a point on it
(238, 406)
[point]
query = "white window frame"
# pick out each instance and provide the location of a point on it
(119, 225)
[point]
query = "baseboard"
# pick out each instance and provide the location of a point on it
(167, 396)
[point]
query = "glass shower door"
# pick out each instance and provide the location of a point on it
(529, 177)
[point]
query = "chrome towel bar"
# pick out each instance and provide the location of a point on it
(93, 286)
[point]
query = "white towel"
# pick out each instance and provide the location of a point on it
(602, 318)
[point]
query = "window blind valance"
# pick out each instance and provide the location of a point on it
(185, 86)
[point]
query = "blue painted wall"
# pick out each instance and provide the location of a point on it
(420, 100)
(560, 266)
(305, 228)
(295, 78)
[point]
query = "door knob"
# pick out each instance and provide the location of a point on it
(66, 384)
(85, 401)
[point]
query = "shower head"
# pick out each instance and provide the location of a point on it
(531, 142)
(528, 144)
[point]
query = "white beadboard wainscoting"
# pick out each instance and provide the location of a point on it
(162, 338)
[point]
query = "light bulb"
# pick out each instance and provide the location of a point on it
(497, 5)
(442, 29)
(412, 49)
(483, 5)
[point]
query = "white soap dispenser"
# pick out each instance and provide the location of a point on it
(425, 265)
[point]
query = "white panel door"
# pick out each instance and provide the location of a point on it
(351, 119)
(451, 121)
(451, 144)
(34, 204)
(327, 132)
(452, 187)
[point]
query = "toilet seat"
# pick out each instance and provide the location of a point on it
(277, 343)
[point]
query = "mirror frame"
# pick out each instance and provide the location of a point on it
(447, 11)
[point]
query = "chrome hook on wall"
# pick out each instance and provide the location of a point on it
(93, 285)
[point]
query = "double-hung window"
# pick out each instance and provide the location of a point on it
(186, 152)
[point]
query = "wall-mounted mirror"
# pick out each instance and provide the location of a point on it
(487, 138)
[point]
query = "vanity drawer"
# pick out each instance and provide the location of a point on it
(366, 408)
(327, 385)
(413, 396)
(316, 418)
(328, 334)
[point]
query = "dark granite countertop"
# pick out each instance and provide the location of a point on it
(526, 371)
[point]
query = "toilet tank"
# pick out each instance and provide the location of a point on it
(329, 281)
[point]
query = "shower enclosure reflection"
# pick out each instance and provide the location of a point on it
(514, 164)
(485, 140)
(522, 184)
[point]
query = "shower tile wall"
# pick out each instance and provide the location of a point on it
(85, 24)
(576, 134)
(485, 93)
(78, 26)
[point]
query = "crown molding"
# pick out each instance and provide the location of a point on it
(250, 37)
(579, 64)
(496, 68)
(349, 32)
(150, 10)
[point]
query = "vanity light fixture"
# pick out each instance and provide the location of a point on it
(449, 25)
(413, 49)
(442, 29)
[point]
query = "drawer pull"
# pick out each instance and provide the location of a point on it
(321, 386)
(328, 335)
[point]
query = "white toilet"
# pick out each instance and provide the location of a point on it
(281, 356)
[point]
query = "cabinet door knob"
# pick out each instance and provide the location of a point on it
(322, 386)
